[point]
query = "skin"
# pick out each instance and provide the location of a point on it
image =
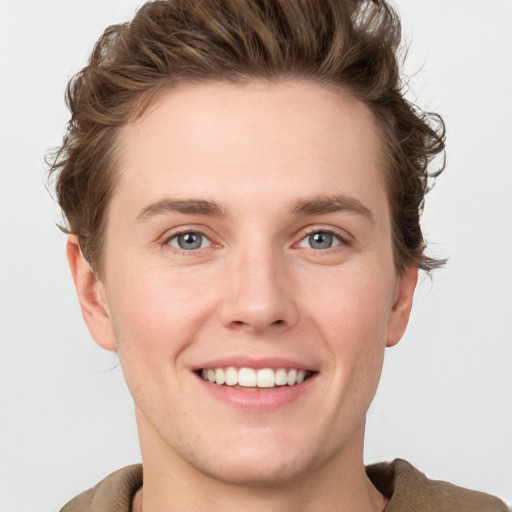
(266, 155)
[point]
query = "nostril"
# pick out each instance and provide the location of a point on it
(240, 323)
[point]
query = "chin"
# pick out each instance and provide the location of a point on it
(264, 459)
(255, 471)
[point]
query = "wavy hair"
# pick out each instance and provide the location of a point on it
(349, 44)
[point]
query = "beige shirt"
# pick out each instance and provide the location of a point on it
(408, 490)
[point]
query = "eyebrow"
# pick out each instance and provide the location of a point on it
(321, 205)
(318, 205)
(186, 206)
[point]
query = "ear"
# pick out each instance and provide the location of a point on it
(91, 295)
(399, 315)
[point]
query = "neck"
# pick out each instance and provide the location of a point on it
(369, 500)
(340, 484)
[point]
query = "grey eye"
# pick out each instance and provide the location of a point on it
(188, 241)
(320, 240)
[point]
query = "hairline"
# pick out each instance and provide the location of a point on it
(148, 100)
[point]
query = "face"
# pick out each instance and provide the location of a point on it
(249, 283)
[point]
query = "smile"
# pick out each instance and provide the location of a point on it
(254, 378)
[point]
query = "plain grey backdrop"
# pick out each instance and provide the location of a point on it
(445, 400)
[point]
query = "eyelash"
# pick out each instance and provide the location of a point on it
(342, 241)
(168, 241)
(336, 234)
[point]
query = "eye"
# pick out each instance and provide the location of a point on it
(320, 240)
(189, 241)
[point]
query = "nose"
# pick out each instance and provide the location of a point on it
(258, 294)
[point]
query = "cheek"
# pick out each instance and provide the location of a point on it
(157, 312)
(155, 319)
(351, 313)
(353, 307)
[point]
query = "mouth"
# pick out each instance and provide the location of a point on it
(261, 378)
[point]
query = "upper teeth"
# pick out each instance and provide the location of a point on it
(249, 377)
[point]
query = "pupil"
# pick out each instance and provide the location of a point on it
(190, 241)
(320, 240)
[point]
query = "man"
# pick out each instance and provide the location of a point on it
(243, 182)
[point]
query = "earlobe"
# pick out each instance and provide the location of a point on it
(399, 315)
(91, 296)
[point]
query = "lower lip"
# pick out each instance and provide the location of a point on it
(254, 399)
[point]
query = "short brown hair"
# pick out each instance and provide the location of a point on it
(347, 44)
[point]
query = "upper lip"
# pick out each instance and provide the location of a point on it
(255, 363)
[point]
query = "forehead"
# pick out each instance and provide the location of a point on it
(252, 141)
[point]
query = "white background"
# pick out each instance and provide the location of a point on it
(445, 401)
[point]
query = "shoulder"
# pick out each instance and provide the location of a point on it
(410, 490)
(112, 494)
